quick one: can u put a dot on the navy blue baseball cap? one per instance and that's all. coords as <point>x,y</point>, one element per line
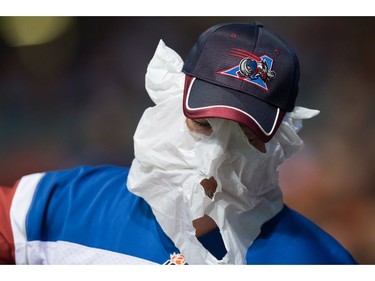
<point>244,73</point>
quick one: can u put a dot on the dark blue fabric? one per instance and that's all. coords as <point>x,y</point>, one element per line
<point>214,243</point>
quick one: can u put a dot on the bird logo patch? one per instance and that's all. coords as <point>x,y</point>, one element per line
<point>252,69</point>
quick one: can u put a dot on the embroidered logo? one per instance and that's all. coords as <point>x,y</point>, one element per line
<point>176,259</point>
<point>252,69</point>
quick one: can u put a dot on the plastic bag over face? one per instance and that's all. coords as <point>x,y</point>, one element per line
<point>171,161</point>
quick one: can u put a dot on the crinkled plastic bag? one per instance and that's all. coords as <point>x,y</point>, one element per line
<point>170,163</point>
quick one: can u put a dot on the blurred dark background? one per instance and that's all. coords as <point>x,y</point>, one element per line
<point>72,92</point>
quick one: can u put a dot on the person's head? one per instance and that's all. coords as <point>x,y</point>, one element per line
<point>244,73</point>
<point>211,112</point>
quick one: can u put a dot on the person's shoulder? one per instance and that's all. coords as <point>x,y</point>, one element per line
<point>88,172</point>
<point>83,178</point>
<point>291,238</point>
<point>91,169</point>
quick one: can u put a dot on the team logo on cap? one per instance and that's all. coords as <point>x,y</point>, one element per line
<point>252,69</point>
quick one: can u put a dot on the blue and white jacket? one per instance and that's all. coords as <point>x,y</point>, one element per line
<point>87,215</point>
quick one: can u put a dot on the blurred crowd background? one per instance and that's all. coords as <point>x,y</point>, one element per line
<point>72,92</point>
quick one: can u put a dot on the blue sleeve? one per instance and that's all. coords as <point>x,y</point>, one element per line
<point>290,238</point>
<point>92,206</point>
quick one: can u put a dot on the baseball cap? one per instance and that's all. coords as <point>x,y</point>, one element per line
<point>244,73</point>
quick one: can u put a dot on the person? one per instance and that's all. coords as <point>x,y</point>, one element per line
<point>203,185</point>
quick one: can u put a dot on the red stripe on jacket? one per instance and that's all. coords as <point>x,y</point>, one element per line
<point>7,255</point>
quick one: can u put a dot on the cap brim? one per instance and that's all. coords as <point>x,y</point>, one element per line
<point>206,100</point>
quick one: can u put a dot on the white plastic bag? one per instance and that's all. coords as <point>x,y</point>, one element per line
<point>170,163</point>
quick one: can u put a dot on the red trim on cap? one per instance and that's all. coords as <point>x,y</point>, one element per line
<point>228,113</point>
